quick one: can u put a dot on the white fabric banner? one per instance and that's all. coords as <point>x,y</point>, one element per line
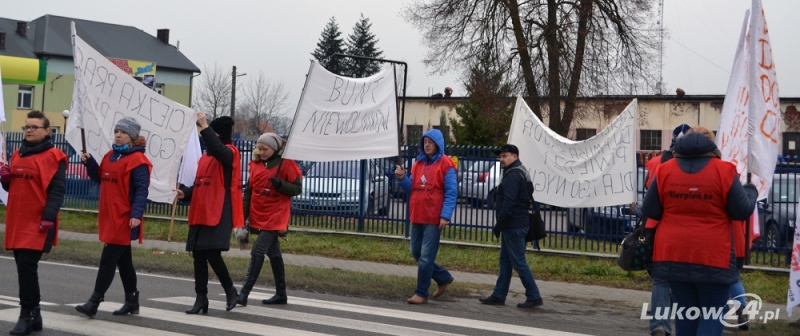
<point>341,118</point>
<point>191,156</point>
<point>3,192</point>
<point>104,94</point>
<point>600,171</point>
<point>793,298</point>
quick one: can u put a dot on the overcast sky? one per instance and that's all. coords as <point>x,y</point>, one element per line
<point>277,37</point>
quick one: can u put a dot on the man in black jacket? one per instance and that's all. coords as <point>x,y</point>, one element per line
<point>513,201</point>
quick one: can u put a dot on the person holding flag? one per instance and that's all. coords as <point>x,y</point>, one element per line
<point>268,204</point>
<point>215,208</point>
<point>124,178</point>
<point>35,192</point>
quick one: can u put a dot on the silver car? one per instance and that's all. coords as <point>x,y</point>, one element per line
<point>479,183</point>
<point>335,187</point>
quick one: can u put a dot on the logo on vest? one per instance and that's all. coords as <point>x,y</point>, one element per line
<point>693,194</point>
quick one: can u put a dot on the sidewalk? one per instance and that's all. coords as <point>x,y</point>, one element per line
<point>551,290</point>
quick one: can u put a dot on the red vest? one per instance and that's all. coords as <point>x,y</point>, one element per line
<point>27,198</point>
<point>652,166</point>
<point>427,199</point>
<point>208,196</point>
<point>269,209</point>
<point>115,204</point>
<point>695,228</point>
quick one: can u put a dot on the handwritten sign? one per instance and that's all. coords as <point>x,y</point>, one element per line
<point>341,118</point>
<point>104,94</point>
<point>600,171</point>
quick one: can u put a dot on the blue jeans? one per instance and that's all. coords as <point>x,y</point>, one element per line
<point>737,289</point>
<point>692,294</point>
<point>660,303</point>
<point>424,247</point>
<point>512,255</point>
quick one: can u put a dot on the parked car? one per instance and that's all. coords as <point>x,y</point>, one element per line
<point>479,183</point>
<point>777,213</point>
<point>334,187</point>
<point>609,221</point>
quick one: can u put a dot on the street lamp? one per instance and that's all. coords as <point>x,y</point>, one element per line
<point>65,114</point>
<point>233,92</point>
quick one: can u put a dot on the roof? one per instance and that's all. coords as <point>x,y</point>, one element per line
<point>49,35</point>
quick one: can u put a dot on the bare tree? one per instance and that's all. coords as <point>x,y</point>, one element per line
<point>265,102</point>
<point>213,92</point>
<point>281,125</point>
<point>556,49</point>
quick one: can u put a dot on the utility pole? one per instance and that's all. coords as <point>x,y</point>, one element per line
<point>233,92</point>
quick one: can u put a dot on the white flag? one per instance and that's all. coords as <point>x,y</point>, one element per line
<point>104,94</point>
<point>3,192</point>
<point>191,155</point>
<point>341,118</point>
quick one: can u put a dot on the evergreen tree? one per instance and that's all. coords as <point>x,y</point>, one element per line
<point>330,43</point>
<point>486,117</point>
<point>362,42</point>
<point>445,128</point>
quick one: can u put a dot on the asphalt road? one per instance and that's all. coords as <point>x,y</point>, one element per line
<point>164,299</point>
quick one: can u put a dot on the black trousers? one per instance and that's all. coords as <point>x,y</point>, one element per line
<point>213,258</point>
<point>266,244</point>
<point>28,276</point>
<point>115,256</point>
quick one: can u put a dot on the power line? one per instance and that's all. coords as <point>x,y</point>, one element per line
<point>701,56</point>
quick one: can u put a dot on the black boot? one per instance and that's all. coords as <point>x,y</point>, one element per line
<point>252,275</point>
<point>230,296</point>
<point>200,303</point>
<point>24,324</point>
<point>280,282</point>
<point>37,318</point>
<point>131,305</point>
<point>90,307</point>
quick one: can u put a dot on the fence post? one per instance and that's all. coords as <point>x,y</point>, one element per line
<point>362,187</point>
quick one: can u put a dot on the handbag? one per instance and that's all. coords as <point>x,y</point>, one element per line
<point>636,252</point>
<point>536,228</point>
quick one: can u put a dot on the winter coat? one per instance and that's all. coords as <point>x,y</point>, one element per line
<point>513,200</point>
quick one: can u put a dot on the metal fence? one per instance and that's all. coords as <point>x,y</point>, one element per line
<point>363,196</point>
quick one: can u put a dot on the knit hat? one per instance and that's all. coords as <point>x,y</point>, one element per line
<point>679,132</point>
<point>223,126</point>
<point>130,126</point>
<point>272,140</point>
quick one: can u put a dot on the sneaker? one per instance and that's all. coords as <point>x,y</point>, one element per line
<point>493,301</point>
<point>416,299</point>
<point>530,304</point>
<point>658,332</point>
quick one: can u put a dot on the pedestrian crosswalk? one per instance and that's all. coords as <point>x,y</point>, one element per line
<point>324,318</point>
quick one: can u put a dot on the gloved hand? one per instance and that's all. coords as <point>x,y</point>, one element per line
<point>276,182</point>
<point>5,174</point>
<point>496,232</point>
<point>45,226</point>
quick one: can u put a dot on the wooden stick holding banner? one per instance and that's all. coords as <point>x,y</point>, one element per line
<point>83,140</point>
<point>747,229</point>
<point>399,126</point>
<point>174,207</point>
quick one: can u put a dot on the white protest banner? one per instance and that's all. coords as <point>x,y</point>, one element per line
<point>341,118</point>
<point>793,297</point>
<point>3,192</point>
<point>104,94</point>
<point>191,156</point>
<point>600,171</point>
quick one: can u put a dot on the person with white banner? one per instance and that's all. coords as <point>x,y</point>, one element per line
<point>694,199</point>
<point>215,209</point>
<point>124,177</point>
<point>35,179</point>
<point>268,205</point>
<point>433,188</point>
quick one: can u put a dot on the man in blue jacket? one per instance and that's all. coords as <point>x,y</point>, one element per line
<point>513,201</point>
<point>432,188</point>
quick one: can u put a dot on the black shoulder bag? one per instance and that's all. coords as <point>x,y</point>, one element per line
<point>536,228</point>
<point>636,252</point>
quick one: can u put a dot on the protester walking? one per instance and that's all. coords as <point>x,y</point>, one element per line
<point>215,208</point>
<point>268,204</point>
<point>693,200</point>
<point>124,178</point>
<point>432,187</point>
<point>514,199</point>
<point>35,194</point>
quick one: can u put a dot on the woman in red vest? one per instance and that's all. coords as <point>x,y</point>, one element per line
<point>36,181</point>
<point>215,208</point>
<point>268,203</point>
<point>124,178</point>
<point>694,198</point>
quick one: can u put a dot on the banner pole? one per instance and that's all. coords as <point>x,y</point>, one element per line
<point>83,140</point>
<point>174,207</point>
<point>747,230</point>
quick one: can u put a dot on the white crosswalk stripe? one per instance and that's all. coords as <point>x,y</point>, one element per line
<point>82,325</point>
<point>331,321</point>
<point>12,301</point>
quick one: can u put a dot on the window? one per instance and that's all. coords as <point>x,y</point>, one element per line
<point>25,97</point>
<point>160,89</point>
<point>651,140</point>
<point>584,133</point>
<point>54,129</point>
<point>413,133</point>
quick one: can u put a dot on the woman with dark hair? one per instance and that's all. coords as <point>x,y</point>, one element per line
<point>694,199</point>
<point>124,177</point>
<point>215,208</point>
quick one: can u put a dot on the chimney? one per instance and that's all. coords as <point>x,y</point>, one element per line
<point>2,41</point>
<point>22,28</point>
<point>163,35</point>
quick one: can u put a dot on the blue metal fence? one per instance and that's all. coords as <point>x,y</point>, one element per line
<point>364,196</point>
